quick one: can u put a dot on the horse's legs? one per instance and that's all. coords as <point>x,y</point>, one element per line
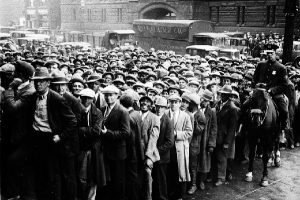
<point>265,159</point>
<point>276,151</point>
<point>252,145</point>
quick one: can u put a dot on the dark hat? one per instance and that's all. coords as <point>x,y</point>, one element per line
<point>93,78</point>
<point>24,68</point>
<point>226,89</point>
<point>147,98</point>
<point>59,79</point>
<point>41,73</point>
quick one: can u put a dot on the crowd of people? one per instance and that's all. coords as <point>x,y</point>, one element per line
<point>129,123</point>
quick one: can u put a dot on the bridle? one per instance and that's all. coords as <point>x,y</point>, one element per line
<point>265,113</point>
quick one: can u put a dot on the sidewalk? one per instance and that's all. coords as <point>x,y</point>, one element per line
<point>284,182</point>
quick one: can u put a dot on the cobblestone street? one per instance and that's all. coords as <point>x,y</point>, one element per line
<point>284,182</point>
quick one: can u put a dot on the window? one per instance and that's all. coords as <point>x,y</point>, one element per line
<point>89,14</point>
<point>218,14</point>
<point>119,10</point>
<point>240,18</point>
<point>74,13</point>
<point>271,15</point>
<point>210,13</point>
<point>103,15</point>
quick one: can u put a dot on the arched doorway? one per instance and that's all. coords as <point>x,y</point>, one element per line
<point>158,11</point>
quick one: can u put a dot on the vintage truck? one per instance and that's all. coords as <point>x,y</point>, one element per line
<point>172,35</point>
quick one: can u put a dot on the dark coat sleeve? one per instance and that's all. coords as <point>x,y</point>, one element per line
<point>169,136</point>
<point>93,131</point>
<point>199,123</point>
<point>232,125</point>
<point>212,135</point>
<point>124,131</point>
<point>280,83</point>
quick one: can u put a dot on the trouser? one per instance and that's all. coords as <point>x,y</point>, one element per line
<point>176,189</point>
<point>40,161</point>
<point>222,155</point>
<point>92,192</point>
<point>160,191</point>
<point>282,103</point>
<point>69,184</point>
<point>193,167</point>
<point>133,185</point>
<point>229,168</point>
<point>147,183</point>
<point>290,132</point>
<point>116,186</point>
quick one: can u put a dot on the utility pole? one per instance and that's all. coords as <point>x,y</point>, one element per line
<point>290,11</point>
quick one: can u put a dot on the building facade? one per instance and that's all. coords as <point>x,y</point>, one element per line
<point>240,15</point>
<point>12,12</point>
<point>42,13</point>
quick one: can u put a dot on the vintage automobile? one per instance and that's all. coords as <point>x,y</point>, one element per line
<point>201,50</point>
<point>214,39</point>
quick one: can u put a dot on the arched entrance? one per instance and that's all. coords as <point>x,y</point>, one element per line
<point>158,11</point>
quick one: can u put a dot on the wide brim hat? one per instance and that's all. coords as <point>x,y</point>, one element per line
<point>93,78</point>
<point>59,80</point>
<point>41,73</point>
<point>161,101</point>
<point>226,89</point>
<point>108,73</point>
<point>207,95</point>
<point>118,80</point>
<point>174,97</point>
<point>146,97</point>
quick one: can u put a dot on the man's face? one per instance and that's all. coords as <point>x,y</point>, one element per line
<point>203,103</point>
<point>86,101</point>
<point>60,88</point>
<point>41,86</point>
<point>151,95</point>
<point>182,84</point>
<point>160,110</point>
<point>77,87</point>
<point>108,78</point>
<point>175,105</point>
<point>184,104</point>
<point>145,105</point>
<point>193,88</point>
<point>271,57</point>
<point>110,98</point>
<point>53,68</point>
<point>94,86</point>
<point>159,88</point>
<point>171,92</point>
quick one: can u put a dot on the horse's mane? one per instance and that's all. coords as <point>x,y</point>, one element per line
<point>259,98</point>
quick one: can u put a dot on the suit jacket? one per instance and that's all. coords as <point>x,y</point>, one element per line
<point>227,117</point>
<point>90,141</point>
<point>133,143</point>
<point>75,104</point>
<point>118,130</point>
<point>273,74</point>
<point>62,121</point>
<point>166,138</point>
<point>150,134</point>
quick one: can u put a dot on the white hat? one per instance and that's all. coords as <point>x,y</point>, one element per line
<point>87,92</point>
<point>110,89</point>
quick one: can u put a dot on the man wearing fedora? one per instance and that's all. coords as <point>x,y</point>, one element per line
<point>59,85</point>
<point>93,83</point>
<point>52,122</point>
<point>208,138</point>
<point>227,116</point>
<point>115,131</point>
<point>164,143</point>
<point>150,133</point>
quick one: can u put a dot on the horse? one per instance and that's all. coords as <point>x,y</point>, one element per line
<point>264,128</point>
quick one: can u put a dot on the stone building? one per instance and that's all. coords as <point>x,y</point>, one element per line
<point>12,12</point>
<point>43,13</point>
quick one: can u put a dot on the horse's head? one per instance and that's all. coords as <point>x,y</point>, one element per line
<point>258,106</point>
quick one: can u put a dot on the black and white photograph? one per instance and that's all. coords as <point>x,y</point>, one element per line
<point>149,99</point>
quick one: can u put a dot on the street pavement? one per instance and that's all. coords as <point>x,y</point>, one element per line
<point>284,182</point>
